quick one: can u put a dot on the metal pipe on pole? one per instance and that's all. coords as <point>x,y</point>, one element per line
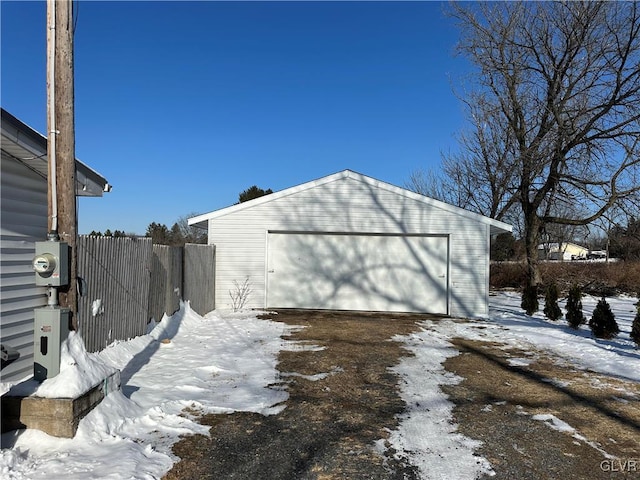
<point>51,120</point>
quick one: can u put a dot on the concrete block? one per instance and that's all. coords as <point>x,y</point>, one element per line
<point>58,417</point>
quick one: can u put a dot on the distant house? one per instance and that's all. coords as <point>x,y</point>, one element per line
<point>565,251</point>
<point>350,242</point>
<point>23,221</point>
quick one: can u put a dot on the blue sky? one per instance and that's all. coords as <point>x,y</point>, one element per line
<point>182,105</point>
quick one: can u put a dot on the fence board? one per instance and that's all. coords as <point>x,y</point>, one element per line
<point>115,305</point>
<point>166,281</point>
<point>199,277</point>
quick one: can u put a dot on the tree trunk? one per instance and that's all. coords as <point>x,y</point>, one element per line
<point>531,240</point>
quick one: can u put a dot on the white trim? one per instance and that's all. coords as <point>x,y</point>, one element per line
<point>496,225</point>
<point>266,267</point>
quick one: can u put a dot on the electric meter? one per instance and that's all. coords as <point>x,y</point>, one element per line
<point>51,264</point>
<point>44,264</point>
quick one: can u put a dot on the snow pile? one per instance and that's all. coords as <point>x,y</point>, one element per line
<point>213,364</point>
<point>80,371</point>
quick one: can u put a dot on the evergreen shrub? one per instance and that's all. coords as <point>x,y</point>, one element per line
<point>530,299</point>
<point>551,309</point>
<point>635,326</point>
<point>574,314</point>
<point>603,323</point>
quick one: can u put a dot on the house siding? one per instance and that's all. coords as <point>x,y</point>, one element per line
<point>348,204</point>
<point>24,221</point>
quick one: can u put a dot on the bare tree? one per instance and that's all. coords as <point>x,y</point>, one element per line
<point>555,112</point>
<point>482,175</point>
<point>191,233</point>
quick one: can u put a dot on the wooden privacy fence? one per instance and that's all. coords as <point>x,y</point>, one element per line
<point>115,304</point>
<point>198,267</point>
<point>166,281</point>
<point>128,281</point>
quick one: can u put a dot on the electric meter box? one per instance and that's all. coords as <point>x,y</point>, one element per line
<point>51,264</point>
<point>51,329</point>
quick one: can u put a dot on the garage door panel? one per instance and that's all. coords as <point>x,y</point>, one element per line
<point>357,272</point>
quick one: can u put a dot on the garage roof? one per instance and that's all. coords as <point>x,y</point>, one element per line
<point>496,226</point>
<point>29,147</point>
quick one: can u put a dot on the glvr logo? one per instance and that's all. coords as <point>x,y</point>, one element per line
<point>619,465</point>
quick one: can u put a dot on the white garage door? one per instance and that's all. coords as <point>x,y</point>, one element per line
<point>370,272</point>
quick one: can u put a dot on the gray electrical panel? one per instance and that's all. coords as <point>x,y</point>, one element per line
<point>51,329</point>
<point>51,264</point>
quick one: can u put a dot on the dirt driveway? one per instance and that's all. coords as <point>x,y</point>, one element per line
<point>342,398</point>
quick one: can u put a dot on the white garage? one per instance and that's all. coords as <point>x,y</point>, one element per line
<point>358,271</point>
<point>350,242</point>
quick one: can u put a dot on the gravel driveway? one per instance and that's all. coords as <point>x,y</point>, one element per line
<point>343,398</point>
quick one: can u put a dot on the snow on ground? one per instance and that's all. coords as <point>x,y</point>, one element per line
<point>427,437</point>
<point>215,364</point>
<point>223,363</point>
<point>508,324</point>
<point>556,424</point>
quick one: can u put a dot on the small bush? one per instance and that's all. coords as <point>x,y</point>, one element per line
<point>551,309</point>
<point>240,294</point>
<point>574,315</point>
<point>635,327</point>
<point>603,323</point>
<point>530,299</point>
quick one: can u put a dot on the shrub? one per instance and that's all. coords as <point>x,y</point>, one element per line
<point>603,323</point>
<point>574,315</point>
<point>635,327</point>
<point>240,294</point>
<point>507,275</point>
<point>599,278</point>
<point>530,299</point>
<point>551,309</point>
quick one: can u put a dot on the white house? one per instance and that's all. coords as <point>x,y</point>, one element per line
<point>23,221</point>
<point>350,242</point>
<point>565,251</point>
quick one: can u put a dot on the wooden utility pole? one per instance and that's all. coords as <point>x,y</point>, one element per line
<point>61,144</point>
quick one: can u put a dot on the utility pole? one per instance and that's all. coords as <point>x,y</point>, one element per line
<point>62,221</point>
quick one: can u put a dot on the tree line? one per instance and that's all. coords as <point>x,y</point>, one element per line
<point>181,232</point>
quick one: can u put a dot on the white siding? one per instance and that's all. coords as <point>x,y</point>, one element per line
<point>348,204</point>
<point>24,220</point>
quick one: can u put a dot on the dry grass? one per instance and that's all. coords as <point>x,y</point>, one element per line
<point>496,401</point>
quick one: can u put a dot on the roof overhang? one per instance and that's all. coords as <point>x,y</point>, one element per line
<point>495,226</point>
<point>29,147</point>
